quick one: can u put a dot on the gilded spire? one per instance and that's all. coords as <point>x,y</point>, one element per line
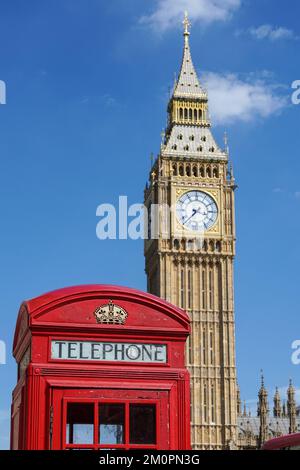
<point>188,127</point>
<point>186,23</point>
<point>188,85</point>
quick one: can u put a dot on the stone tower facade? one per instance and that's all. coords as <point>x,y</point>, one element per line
<point>189,258</point>
<point>263,413</point>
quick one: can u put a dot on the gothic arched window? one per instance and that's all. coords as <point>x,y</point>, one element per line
<point>203,289</point>
<point>205,404</point>
<point>213,404</point>
<point>189,289</point>
<point>182,288</point>
<point>210,289</point>
<point>204,346</point>
<point>211,347</point>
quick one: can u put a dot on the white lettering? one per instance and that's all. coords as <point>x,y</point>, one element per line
<point>106,227</point>
<point>136,229</point>
<point>296,94</point>
<point>2,352</point>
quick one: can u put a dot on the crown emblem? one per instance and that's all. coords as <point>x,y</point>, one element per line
<point>111,314</point>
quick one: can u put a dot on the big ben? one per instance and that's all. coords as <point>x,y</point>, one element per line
<point>192,267</point>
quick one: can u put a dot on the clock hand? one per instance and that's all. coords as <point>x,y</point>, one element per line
<point>194,212</point>
<point>199,211</point>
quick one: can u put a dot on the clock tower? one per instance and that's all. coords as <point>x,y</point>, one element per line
<point>190,263</point>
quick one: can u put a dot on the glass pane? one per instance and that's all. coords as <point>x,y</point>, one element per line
<point>111,423</point>
<point>80,423</point>
<point>142,424</point>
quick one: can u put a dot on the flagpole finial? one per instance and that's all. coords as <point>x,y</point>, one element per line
<point>186,24</point>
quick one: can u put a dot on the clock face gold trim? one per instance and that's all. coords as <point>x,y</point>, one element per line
<point>197,211</point>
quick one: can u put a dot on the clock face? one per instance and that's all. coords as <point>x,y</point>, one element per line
<point>197,211</point>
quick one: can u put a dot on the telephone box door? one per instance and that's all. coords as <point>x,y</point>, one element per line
<point>109,419</point>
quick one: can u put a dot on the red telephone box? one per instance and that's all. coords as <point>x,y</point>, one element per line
<point>100,367</point>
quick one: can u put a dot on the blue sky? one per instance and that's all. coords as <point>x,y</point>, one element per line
<point>87,85</point>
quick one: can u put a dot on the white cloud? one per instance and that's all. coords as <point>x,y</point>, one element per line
<point>234,99</point>
<point>266,31</point>
<point>293,194</point>
<point>169,13</point>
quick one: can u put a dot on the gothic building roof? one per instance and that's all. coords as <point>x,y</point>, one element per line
<point>193,141</point>
<point>276,426</point>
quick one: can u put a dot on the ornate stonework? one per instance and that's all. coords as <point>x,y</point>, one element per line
<point>254,431</point>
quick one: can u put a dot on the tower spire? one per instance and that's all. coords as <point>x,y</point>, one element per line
<point>188,125</point>
<point>277,410</point>
<point>291,406</point>
<point>188,85</point>
<point>262,378</point>
<point>263,411</point>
